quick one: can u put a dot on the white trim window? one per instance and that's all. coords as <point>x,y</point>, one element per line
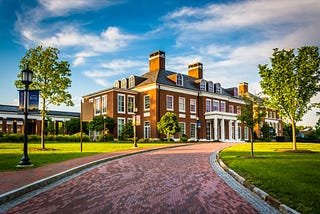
<point>231,109</point>
<point>169,103</point>
<point>238,110</point>
<point>104,104</point>
<point>182,128</point>
<point>146,102</point>
<point>131,105</point>
<point>215,106</point>
<point>203,85</point>
<point>132,81</point>
<point>120,125</point>
<point>223,106</point>
<point>217,88</point>
<point>97,105</point>
<point>208,105</point>
<point>210,86</point>
<point>193,133</point>
<point>124,83</point>
<point>246,133</point>
<point>147,129</point>
<point>179,79</point>
<point>121,103</point>
<point>193,106</point>
<point>182,104</point>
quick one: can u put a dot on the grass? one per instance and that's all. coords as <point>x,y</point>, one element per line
<point>11,153</point>
<point>292,178</point>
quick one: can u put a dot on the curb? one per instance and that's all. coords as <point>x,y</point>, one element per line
<point>260,193</point>
<point>11,195</point>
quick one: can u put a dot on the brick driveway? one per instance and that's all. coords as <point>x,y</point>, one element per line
<point>176,180</point>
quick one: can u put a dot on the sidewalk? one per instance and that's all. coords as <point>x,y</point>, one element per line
<point>16,183</point>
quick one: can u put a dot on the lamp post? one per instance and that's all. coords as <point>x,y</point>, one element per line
<point>198,127</point>
<point>135,110</point>
<point>26,80</point>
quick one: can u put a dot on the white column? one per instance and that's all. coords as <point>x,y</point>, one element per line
<point>222,130</point>
<point>230,130</point>
<point>236,134</point>
<point>215,125</point>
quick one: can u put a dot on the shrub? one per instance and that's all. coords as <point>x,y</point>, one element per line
<point>33,137</point>
<point>184,138</point>
<point>105,138</point>
<point>143,140</point>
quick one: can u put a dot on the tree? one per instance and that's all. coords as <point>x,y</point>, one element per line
<point>73,126</point>
<point>50,76</point>
<point>100,123</point>
<point>168,124</point>
<point>127,131</point>
<point>291,82</point>
<point>251,114</point>
<point>267,132</point>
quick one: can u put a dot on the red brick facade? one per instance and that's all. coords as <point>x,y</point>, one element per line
<point>205,110</point>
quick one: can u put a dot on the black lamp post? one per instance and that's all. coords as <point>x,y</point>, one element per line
<point>26,80</point>
<point>135,110</point>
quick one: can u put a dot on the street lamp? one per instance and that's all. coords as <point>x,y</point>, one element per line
<point>198,127</point>
<point>26,80</point>
<point>135,110</point>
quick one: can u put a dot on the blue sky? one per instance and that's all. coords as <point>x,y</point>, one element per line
<point>105,40</point>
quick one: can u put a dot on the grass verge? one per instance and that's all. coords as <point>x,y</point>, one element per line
<point>292,178</point>
<point>11,153</point>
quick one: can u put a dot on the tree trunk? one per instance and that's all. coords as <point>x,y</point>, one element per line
<point>251,142</point>
<point>168,137</point>
<point>43,115</point>
<point>294,142</point>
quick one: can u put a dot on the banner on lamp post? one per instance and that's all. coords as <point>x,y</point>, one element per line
<point>33,100</point>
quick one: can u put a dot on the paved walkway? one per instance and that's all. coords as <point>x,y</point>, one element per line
<point>176,180</point>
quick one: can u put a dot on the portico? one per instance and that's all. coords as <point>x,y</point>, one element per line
<point>222,126</point>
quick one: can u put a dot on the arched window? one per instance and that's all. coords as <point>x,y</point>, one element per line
<point>116,84</point>
<point>124,83</point>
<point>202,85</point>
<point>179,79</point>
<point>210,86</point>
<point>217,88</point>
<point>132,82</point>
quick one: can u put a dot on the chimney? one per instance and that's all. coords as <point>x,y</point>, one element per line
<point>195,70</point>
<point>243,88</point>
<point>157,61</point>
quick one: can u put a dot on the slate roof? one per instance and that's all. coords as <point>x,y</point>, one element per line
<point>161,77</point>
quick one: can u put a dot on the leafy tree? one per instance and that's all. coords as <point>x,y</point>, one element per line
<point>267,132</point>
<point>168,124</point>
<point>251,114</point>
<point>291,82</point>
<point>127,131</point>
<point>100,122</point>
<point>50,76</point>
<point>73,126</point>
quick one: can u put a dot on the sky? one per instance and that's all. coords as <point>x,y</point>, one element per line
<point>106,40</point>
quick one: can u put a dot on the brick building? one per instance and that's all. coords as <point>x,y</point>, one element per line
<point>205,110</point>
<point>11,120</point>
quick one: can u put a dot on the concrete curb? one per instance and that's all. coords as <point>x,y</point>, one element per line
<point>260,193</point>
<point>11,195</point>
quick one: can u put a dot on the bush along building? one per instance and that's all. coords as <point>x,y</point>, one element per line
<point>206,111</point>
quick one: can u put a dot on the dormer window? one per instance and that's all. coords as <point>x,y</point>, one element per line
<point>235,92</point>
<point>179,79</point>
<point>217,88</point>
<point>116,84</point>
<point>131,81</point>
<point>124,83</point>
<point>202,85</point>
<point>210,86</point>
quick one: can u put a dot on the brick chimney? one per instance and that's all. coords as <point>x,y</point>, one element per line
<point>195,70</point>
<point>157,61</point>
<point>243,88</point>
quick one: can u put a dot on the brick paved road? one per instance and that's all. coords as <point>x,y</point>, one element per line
<point>179,180</point>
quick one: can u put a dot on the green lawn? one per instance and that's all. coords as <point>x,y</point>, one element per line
<point>11,153</point>
<point>292,178</point>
